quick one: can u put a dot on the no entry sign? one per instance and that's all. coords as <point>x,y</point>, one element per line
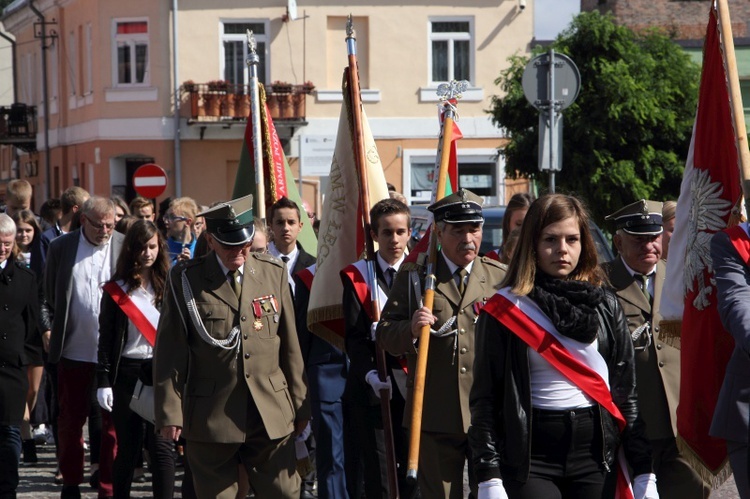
<point>150,181</point>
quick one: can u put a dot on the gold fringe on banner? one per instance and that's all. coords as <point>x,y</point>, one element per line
<point>712,478</point>
<point>316,320</point>
<point>670,332</point>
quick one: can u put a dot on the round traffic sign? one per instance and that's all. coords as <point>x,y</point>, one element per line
<point>535,81</point>
<point>150,180</point>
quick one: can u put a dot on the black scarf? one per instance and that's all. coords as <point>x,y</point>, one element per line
<point>570,305</point>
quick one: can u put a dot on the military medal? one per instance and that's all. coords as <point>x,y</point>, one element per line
<point>258,324</point>
<point>264,306</point>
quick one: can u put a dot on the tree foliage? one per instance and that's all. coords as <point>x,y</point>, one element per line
<point>627,135</point>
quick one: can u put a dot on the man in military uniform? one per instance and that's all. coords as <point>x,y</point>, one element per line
<point>228,373</point>
<point>463,284</point>
<point>637,275</point>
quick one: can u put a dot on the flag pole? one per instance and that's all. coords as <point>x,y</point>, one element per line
<point>355,100</point>
<point>447,93</point>
<point>735,96</point>
<point>253,60</point>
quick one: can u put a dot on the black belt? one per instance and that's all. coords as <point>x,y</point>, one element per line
<point>564,413</point>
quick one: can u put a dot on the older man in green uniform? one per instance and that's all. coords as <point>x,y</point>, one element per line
<point>228,372</point>
<point>637,275</point>
<point>464,282</point>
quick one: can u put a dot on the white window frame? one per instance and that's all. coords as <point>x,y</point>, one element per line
<point>72,63</point>
<point>89,88</point>
<point>242,37</point>
<point>478,155</point>
<point>131,39</point>
<point>451,37</point>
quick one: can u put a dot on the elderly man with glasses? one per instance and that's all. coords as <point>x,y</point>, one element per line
<point>77,263</point>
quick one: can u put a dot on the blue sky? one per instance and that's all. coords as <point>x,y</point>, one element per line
<point>552,16</point>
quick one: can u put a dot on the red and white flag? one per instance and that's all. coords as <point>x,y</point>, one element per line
<point>710,188</point>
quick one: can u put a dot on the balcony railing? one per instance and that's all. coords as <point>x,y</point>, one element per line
<point>18,126</point>
<point>224,102</point>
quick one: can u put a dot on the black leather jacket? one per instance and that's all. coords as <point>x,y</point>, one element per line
<point>500,398</point>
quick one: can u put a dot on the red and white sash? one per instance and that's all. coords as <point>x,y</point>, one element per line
<point>144,315</point>
<point>357,274</point>
<point>580,363</point>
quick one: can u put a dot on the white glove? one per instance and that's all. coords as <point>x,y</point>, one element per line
<point>374,381</point>
<point>644,486</point>
<point>105,398</point>
<point>373,327</point>
<point>492,489</point>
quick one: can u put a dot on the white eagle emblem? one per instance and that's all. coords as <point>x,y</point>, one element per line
<point>706,217</point>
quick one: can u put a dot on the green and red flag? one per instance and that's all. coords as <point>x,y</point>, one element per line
<point>278,178</point>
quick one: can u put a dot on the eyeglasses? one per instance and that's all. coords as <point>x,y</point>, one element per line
<point>99,226</point>
<point>174,218</point>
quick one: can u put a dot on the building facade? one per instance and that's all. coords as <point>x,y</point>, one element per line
<point>108,102</point>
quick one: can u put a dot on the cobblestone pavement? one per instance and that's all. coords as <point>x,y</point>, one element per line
<point>37,481</point>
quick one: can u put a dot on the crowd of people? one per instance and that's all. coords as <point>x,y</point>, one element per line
<point>546,375</point>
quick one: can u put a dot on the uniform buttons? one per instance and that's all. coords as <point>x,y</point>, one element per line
<point>462,331</point>
<point>244,336</point>
<point>461,311</point>
<point>661,364</point>
<point>656,329</point>
<point>463,350</point>
<point>247,375</point>
<point>463,370</point>
<point>243,318</point>
<point>247,355</point>
<point>658,346</point>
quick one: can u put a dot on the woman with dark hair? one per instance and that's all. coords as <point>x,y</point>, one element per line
<point>127,332</point>
<point>29,253</point>
<point>515,212</point>
<point>554,392</point>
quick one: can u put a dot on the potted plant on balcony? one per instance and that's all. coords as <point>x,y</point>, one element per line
<point>191,88</point>
<point>281,87</point>
<point>213,98</point>
<point>308,87</point>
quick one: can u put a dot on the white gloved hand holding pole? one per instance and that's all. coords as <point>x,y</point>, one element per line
<point>373,380</point>
<point>373,327</point>
<point>492,489</point>
<point>105,398</point>
<point>644,486</point>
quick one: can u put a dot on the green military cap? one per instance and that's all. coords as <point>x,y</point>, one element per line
<point>463,206</point>
<point>231,222</point>
<point>640,218</point>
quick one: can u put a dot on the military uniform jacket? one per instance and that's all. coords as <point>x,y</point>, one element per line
<point>449,370</point>
<point>658,366</point>
<point>205,389</point>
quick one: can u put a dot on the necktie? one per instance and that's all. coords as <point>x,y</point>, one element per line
<point>232,275</point>
<point>462,274</point>
<point>285,258</point>
<point>644,285</point>
<point>390,276</point>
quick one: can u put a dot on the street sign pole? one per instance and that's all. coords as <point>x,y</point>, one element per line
<point>552,116</point>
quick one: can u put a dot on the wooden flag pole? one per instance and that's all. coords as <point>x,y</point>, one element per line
<point>352,78</point>
<point>735,96</point>
<point>447,93</point>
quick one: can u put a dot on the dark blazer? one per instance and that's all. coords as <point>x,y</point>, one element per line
<point>733,283</point>
<point>58,284</point>
<point>19,310</point>
<point>304,260</point>
<point>361,349</point>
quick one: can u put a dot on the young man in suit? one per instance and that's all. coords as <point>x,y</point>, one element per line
<point>464,282</point>
<point>637,275</point>
<point>286,224</point>
<point>86,258</point>
<point>391,221</point>
<point>228,373</point>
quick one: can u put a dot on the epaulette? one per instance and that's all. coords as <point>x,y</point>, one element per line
<point>493,263</point>
<point>267,257</point>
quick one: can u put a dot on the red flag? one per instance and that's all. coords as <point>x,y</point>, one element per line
<point>710,187</point>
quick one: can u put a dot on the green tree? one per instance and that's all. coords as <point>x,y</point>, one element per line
<point>627,135</point>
